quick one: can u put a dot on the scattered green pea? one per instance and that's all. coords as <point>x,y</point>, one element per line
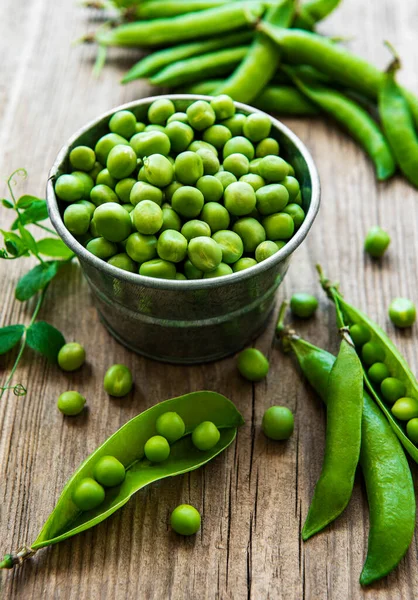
<point>252,364</point>
<point>278,423</point>
<point>303,305</point>
<point>402,312</point>
<point>71,356</point>
<point>71,403</point>
<point>185,520</point>
<point>118,381</point>
<point>376,242</point>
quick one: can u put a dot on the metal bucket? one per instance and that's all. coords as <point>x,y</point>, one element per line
<point>186,321</point>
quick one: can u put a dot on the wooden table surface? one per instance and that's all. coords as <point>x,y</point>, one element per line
<point>255,496</point>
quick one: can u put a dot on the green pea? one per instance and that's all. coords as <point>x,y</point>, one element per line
<point>244,263</point>
<point>412,430</point>
<point>185,520</point>
<point>102,248</point>
<point>71,356</point>
<point>265,250</point>
<point>170,189</point>
<point>405,409</point>
<point>392,389</point>
<point>254,166</point>
<point>255,181</point>
<point>273,168</point>
<point>257,127</point>
<point>293,188</point>
<point>188,201</point>
<point>147,217</point>
<point>271,198</point>
<point>376,242</point>
<point>69,188</point>
<point>226,178</point>
<point>268,146</point>
<point>141,247</point>
<point>217,135</point>
<point>181,135</point>
<point>221,270</point>
<point>188,167</point>
<point>372,352</point>
<point>296,212</point>
<point>191,271</point>
<point>157,449</point>
<point>279,226</point>
<point>88,494</point>
<point>402,312</point>
<point>210,161</point>
<point>158,268</point>
<point>239,199</point>
<point>178,116</point>
<point>252,364</point>
<point>303,305</point>
<point>171,219</point>
<point>251,232</point>
<point>86,180</point>
<point>215,216</point>
<point>278,423</point>
<point>211,188</point>
<point>378,372</point>
<point>160,110</point>
<point>87,204</point>
<point>298,199</point>
<point>198,145</point>
<point>141,175</point>
<point>155,127</point>
<point>139,127</point>
<point>230,244</point>
<point>239,145</point>
<point>102,194</point>
<point>360,334</point>
<point>171,426</point>
<point>105,178</point>
<point>124,262</point>
<point>201,115</point>
<point>71,403</point>
<point>112,222</point>
<point>195,228</point>
<point>105,145</point>
<point>124,188</point>
<point>238,164</point>
<point>280,244</point>
<point>118,381</point>
<point>235,123</point>
<point>123,123</point>
<point>97,167</point>
<point>223,106</point>
<point>150,142</point>
<point>145,191</point>
<point>204,253</point>
<point>181,277</point>
<point>82,158</point>
<point>205,436</point>
<point>158,170</point>
<point>77,219</point>
<point>172,246</point>
<point>109,471</point>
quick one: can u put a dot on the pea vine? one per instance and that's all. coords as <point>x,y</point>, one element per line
<point>19,243</point>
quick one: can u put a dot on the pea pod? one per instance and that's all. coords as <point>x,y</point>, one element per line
<point>344,409</point>
<point>161,9</point>
<point>314,11</point>
<point>158,60</point>
<point>127,445</point>
<point>389,484</point>
<point>355,119</point>
<point>261,60</point>
<point>396,363</point>
<point>176,30</point>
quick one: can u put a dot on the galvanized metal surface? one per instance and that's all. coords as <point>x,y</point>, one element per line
<point>187,321</point>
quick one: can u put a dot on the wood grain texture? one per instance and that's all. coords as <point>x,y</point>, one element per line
<point>254,498</point>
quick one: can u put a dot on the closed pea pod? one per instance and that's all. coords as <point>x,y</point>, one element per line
<point>389,485</point>
<point>313,11</point>
<point>127,446</point>
<point>157,9</point>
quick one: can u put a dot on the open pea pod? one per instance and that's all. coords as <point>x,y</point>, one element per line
<point>348,315</point>
<point>127,445</point>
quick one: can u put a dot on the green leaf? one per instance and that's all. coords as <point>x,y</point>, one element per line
<point>37,211</point>
<point>26,201</point>
<point>28,239</point>
<point>7,203</point>
<point>36,279</point>
<point>46,339</point>
<point>10,336</point>
<point>14,244</point>
<point>54,247</point>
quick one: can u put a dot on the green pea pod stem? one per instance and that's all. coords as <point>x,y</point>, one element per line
<point>161,9</point>
<point>396,363</point>
<point>261,60</point>
<point>281,100</point>
<point>127,445</point>
<point>398,124</point>
<point>342,450</point>
<point>354,119</point>
<point>176,30</point>
<point>158,60</point>
<point>199,67</point>
<point>389,484</point>
<point>304,47</point>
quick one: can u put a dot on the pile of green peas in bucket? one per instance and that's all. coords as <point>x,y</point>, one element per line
<point>188,195</point>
